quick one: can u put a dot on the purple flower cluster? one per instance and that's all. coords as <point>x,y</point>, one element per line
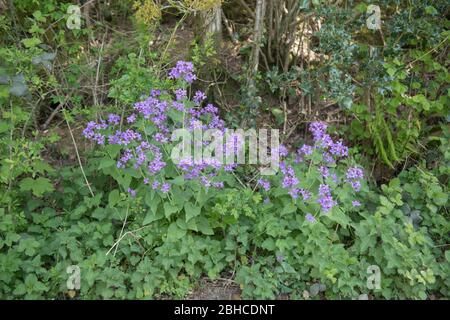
<point>124,138</point>
<point>183,70</point>
<point>325,199</point>
<point>323,140</point>
<point>205,171</point>
<point>290,182</point>
<point>199,97</point>
<point>264,184</point>
<point>354,176</point>
<point>90,132</point>
<point>147,157</point>
<point>289,178</point>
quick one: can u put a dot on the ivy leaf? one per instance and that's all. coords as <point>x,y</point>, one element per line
<point>38,186</point>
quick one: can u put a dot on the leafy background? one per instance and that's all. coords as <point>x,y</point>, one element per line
<point>62,201</point>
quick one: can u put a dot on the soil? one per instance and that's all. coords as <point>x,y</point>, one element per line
<point>216,290</point>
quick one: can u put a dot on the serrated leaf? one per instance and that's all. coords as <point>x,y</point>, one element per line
<point>203,226</point>
<point>38,186</point>
<point>174,232</point>
<point>191,211</point>
<point>169,209</point>
<point>114,197</point>
<point>31,42</point>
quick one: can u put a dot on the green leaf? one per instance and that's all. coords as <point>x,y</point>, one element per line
<point>106,163</point>
<point>31,42</point>
<point>203,226</point>
<point>169,209</point>
<point>152,215</point>
<point>289,208</point>
<point>38,186</point>
<point>114,197</point>
<point>447,255</point>
<point>191,211</point>
<point>175,233</point>
<point>440,198</point>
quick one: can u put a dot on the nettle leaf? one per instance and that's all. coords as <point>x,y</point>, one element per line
<point>440,198</point>
<point>339,217</point>
<point>169,209</point>
<point>38,186</point>
<point>174,232</point>
<point>203,226</point>
<point>153,214</point>
<point>447,255</point>
<point>114,197</point>
<point>289,208</point>
<point>106,163</point>
<point>191,211</point>
<point>28,246</point>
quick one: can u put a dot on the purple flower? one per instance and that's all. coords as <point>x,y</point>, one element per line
<point>113,119</point>
<point>180,94</point>
<point>309,217</point>
<point>199,97</point>
<point>305,150</point>
<point>280,258</point>
<point>356,203</point>
<point>165,187</point>
<point>265,184</point>
<point>218,184</point>
<point>184,70</point>
<point>131,118</point>
<point>294,193</point>
<point>155,92</point>
<point>324,171</point>
<point>354,176</point>
<point>305,194</point>
<point>318,129</point>
<point>289,181</point>
<point>283,151</point>
<point>356,185</point>
<point>328,158</point>
<point>155,185</point>
<point>127,156</point>
<point>90,132</point>
<point>146,181</point>
<point>354,173</point>
<point>324,189</point>
<point>178,105</point>
<point>124,138</point>
<point>338,149</point>
<point>325,199</point>
<point>132,192</point>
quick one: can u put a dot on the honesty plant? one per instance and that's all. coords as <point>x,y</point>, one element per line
<point>144,137</point>
<point>318,177</point>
